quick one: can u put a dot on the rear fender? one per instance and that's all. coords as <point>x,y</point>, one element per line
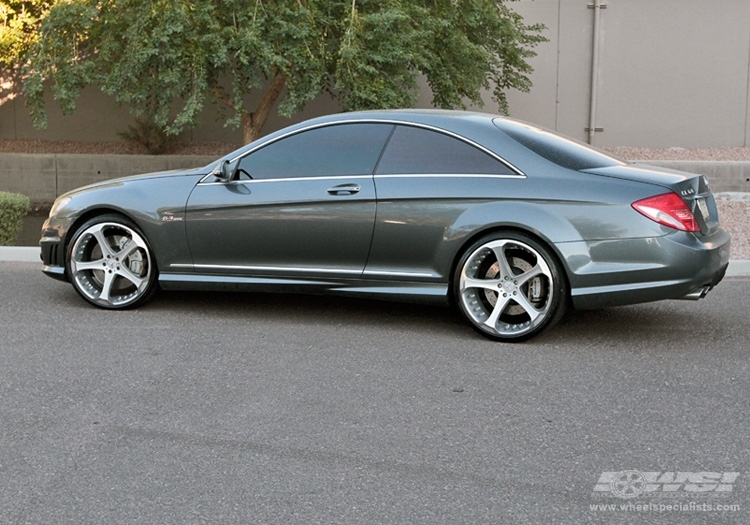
<point>561,225</point>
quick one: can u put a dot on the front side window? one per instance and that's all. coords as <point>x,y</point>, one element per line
<point>335,150</point>
<point>414,150</point>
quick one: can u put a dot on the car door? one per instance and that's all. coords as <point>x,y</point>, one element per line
<point>425,180</point>
<point>302,205</point>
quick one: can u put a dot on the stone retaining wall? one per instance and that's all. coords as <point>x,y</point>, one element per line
<point>42,177</point>
<point>724,176</point>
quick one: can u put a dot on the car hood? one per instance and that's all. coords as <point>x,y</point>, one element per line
<point>155,175</point>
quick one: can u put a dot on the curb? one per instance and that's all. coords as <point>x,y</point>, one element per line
<point>738,269</point>
<point>20,254</point>
<point>32,254</point>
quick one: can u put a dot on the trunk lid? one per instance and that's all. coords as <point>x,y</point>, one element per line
<point>691,187</point>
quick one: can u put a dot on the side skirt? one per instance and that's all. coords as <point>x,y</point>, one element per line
<point>413,292</point>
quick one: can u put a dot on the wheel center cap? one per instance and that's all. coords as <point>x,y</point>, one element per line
<point>112,264</point>
<point>508,287</point>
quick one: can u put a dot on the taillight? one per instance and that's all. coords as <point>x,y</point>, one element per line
<point>670,210</point>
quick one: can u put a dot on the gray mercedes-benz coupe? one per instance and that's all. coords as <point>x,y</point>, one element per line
<point>509,222</point>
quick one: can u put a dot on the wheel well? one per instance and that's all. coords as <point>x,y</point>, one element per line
<point>90,214</point>
<point>471,240</point>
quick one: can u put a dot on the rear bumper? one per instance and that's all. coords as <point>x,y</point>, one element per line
<point>675,266</point>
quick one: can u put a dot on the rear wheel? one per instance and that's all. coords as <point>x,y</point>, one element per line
<point>110,264</point>
<point>509,287</point>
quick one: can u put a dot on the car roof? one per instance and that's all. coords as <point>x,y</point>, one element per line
<point>417,116</point>
<point>456,121</point>
<point>472,125</point>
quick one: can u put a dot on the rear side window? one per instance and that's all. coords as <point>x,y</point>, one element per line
<point>413,150</point>
<point>336,150</point>
<point>563,151</point>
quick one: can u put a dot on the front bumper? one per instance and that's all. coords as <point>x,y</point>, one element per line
<point>53,255</point>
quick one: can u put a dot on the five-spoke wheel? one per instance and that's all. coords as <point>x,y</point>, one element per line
<point>110,263</point>
<point>509,287</point>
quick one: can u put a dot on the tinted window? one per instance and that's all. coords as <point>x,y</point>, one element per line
<point>562,151</point>
<point>342,149</point>
<point>418,150</point>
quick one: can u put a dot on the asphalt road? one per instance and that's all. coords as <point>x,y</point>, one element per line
<point>221,408</point>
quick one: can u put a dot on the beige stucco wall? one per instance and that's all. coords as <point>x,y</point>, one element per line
<point>671,73</point>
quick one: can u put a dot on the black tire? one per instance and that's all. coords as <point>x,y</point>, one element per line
<point>110,263</point>
<point>513,300</point>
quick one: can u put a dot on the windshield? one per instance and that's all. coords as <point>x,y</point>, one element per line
<point>563,151</point>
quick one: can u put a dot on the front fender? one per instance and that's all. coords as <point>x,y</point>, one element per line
<point>155,205</point>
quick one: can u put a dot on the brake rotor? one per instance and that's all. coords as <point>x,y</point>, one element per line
<point>532,290</point>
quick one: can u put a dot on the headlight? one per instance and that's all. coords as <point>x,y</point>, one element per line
<point>58,205</point>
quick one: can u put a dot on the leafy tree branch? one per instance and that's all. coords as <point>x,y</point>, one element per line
<point>165,59</point>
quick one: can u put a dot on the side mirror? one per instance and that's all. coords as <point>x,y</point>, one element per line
<point>226,171</point>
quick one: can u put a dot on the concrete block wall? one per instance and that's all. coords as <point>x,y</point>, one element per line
<point>722,176</point>
<point>32,175</point>
<point>43,177</point>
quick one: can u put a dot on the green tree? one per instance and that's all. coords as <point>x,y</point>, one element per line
<point>19,21</point>
<point>166,58</point>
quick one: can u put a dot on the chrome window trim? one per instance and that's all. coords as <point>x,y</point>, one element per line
<point>519,173</point>
<point>450,175</point>
<point>289,179</point>
<point>370,177</point>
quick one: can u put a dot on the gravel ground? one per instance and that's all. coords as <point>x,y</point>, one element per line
<point>722,154</point>
<point>734,215</point>
<point>734,209</point>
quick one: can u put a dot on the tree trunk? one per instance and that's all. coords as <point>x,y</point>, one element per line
<point>252,123</point>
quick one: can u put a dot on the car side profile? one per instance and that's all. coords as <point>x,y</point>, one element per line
<point>511,223</point>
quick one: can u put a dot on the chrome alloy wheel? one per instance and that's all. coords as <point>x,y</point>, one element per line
<point>509,289</point>
<point>110,264</point>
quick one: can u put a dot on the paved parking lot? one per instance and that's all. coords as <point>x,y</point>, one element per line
<point>221,408</point>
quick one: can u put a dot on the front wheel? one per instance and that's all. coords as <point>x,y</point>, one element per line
<point>110,263</point>
<point>509,287</point>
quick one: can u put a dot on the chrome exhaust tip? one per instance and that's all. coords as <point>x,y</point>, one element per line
<point>700,293</point>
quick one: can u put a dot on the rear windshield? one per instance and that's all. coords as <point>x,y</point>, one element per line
<point>563,151</point>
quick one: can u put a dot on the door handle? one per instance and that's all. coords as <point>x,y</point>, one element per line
<point>345,189</point>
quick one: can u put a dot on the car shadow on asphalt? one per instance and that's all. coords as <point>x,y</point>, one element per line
<point>644,322</point>
<point>317,309</point>
<point>647,323</point>
<point>651,325</point>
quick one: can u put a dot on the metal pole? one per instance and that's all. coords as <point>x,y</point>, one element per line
<point>594,70</point>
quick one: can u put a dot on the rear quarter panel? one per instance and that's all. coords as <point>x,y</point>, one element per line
<point>424,223</point>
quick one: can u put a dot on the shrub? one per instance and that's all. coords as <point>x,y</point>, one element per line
<point>149,135</point>
<point>13,208</point>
